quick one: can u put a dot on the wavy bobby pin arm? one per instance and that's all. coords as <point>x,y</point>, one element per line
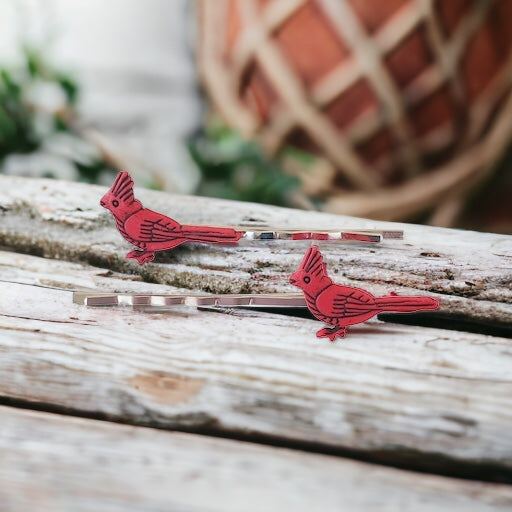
<point>269,300</point>
<point>366,236</point>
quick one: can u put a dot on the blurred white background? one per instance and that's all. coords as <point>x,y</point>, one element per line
<point>134,61</point>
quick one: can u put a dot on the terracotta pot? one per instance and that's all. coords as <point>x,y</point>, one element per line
<point>408,100</point>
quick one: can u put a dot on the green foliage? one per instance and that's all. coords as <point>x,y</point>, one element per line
<point>235,168</point>
<point>17,134</point>
<point>25,126</point>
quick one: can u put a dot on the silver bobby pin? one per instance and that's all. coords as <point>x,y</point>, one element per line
<point>367,236</point>
<point>269,300</point>
<point>149,231</point>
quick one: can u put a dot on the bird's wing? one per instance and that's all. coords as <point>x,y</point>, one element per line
<point>344,301</point>
<point>152,226</point>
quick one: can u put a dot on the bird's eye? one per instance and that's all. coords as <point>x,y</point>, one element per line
<point>115,203</point>
<point>307,279</point>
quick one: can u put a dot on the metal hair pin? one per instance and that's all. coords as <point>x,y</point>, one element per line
<point>335,304</point>
<point>151,231</point>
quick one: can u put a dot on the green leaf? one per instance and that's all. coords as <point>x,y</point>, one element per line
<point>235,168</point>
<point>69,86</point>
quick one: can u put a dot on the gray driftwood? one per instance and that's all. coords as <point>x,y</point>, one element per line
<point>422,398</point>
<point>471,272</point>
<point>55,463</point>
<point>425,397</point>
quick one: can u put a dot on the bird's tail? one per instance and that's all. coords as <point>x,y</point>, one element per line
<point>406,304</point>
<point>212,235</point>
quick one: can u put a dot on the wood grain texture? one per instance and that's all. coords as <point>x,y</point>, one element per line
<point>471,272</point>
<point>423,397</point>
<point>56,463</point>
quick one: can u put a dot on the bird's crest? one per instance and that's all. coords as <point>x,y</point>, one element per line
<point>123,187</point>
<point>313,262</point>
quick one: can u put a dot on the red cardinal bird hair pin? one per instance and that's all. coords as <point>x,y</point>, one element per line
<point>151,231</point>
<point>334,304</point>
<point>341,306</point>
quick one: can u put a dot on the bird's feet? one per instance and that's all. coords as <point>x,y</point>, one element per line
<point>332,332</point>
<point>141,256</point>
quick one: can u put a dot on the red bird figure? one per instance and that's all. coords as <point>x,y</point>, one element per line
<point>341,306</point>
<point>150,231</point>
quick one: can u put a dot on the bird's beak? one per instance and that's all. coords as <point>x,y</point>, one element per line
<point>293,279</point>
<point>102,203</point>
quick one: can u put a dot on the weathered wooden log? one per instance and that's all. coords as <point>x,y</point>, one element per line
<point>472,272</point>
<point>423,398</point>
<point>56,463</point>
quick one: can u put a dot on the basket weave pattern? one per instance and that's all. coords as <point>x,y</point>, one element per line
<point>408,99</point>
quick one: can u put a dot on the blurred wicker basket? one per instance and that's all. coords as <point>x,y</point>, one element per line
<point>409,100</point>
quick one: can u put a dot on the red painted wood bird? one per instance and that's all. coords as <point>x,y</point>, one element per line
<point>341,306</point>
<point>150,231</point>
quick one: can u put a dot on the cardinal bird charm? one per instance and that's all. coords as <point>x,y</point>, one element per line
<point>341,306</point>
<point>150,231</point>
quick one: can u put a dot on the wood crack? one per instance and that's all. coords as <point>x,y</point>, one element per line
<point>394,456</point>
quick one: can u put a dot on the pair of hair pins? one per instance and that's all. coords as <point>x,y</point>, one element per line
<point>337,305</point>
